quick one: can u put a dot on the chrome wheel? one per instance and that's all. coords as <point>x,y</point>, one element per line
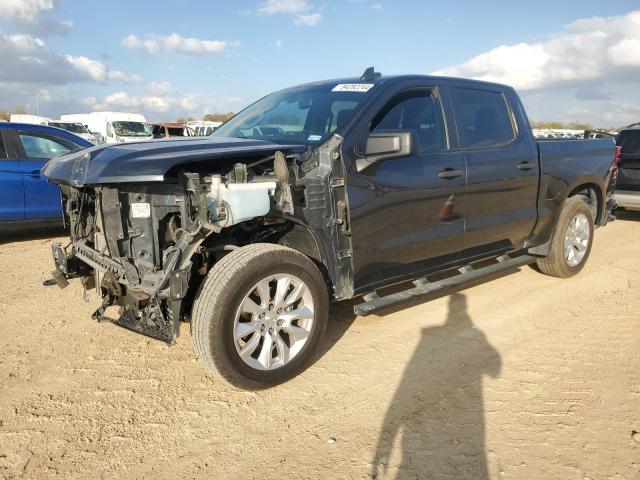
<point>576,240</point>
<point>273,322</point>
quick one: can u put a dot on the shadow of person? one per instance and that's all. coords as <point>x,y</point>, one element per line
<point>438,406</point>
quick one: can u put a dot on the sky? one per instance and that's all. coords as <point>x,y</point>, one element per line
<point>570,60</point>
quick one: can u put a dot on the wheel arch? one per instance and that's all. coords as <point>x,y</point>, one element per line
<point>302,239</point>
<point>593,196</point>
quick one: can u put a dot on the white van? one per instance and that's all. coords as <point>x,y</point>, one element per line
<point>30,119</point>
<point>113,127</point>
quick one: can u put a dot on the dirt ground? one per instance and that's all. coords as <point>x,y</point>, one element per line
<point>523,377</point>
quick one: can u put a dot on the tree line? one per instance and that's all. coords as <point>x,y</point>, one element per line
<point>209,117</point>
<point>5,114</point>
<point>561,126</point>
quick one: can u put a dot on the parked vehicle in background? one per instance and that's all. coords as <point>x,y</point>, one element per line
<point>77,128</point>
<point>113,127</point>
<point>562,133</point>
<point>321,192</point>
<point>599,134</point>
<point>165,130</point>
<point>32,119</point>
<point>202,128</point>
<point>26,198</point>
<point>628,186</point>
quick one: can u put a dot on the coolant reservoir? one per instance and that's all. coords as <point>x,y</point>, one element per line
<point>238,202</point>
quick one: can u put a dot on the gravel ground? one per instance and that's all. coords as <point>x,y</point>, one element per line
<point>523,377</point>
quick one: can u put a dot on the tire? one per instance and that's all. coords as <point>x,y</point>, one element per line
<point>225,307</point>
<point>557,263</point>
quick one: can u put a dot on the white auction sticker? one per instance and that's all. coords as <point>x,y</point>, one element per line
<point>140,210</point>
<point>353,87</point>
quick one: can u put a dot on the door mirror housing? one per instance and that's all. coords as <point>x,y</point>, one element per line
<point>386,145</point>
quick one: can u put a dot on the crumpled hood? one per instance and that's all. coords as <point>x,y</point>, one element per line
<point>148,161</point>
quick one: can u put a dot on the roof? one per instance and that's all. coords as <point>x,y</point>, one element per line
<point>397,78</point>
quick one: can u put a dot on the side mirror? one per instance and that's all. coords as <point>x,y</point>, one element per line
<point>385,145</point>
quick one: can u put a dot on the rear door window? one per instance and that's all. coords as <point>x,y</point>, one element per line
<point>483,118</point>
<point>43,146</point>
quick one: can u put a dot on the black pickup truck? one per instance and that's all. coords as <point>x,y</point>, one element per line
<point>326,191</point>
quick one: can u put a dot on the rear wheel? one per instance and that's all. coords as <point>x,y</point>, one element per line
<point>572,241</point>
<point>260,315</point>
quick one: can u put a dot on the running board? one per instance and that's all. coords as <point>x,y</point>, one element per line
<point>424,289</point>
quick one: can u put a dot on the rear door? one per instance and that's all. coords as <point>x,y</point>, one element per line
<point>41,199</point>
<point>11,183</point>
<point>629,168</point>
<point>404,211</point>
<point>502,170</point>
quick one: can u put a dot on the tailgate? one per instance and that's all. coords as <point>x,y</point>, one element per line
<point>629,172</point>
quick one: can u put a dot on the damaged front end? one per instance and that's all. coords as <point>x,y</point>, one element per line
<point>147,246</point>
<point>135,244</point>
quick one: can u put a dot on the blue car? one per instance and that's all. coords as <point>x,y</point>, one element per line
<point>26,198</point>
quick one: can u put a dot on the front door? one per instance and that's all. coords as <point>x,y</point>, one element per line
<point>12,188</point>
<point>404,211</point>
<point>42,199</point>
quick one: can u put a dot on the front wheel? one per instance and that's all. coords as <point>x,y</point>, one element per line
<point>260,315</point>
<point>572,240</point>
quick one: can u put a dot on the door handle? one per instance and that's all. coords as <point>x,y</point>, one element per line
<point>526,166</point>
<point>35,173</point>
<point>450,173</point>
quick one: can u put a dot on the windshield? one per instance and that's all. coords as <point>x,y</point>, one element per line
<point>70,127</point>
<point>304,115</point>
<point>132,129</point>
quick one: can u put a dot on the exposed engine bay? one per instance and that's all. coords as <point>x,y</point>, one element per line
<point>147,246</point>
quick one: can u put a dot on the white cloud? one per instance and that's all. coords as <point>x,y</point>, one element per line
<point>377,6</point>
<point>587,50</point>
<point>24,11</point>
<point>28,59</point>
<point>160,88</point>
<point>271,7</point>
<point>175,44</point>
<point>300,11</point>
<point>308,20</point>
<point>160,100</point>
<point>124,77</point>
<point>123,101</point>
<point>279,43</point>
<point>33,16</point>
<point>87,67</point>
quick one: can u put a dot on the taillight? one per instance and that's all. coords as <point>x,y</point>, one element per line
<point>617,156</point>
